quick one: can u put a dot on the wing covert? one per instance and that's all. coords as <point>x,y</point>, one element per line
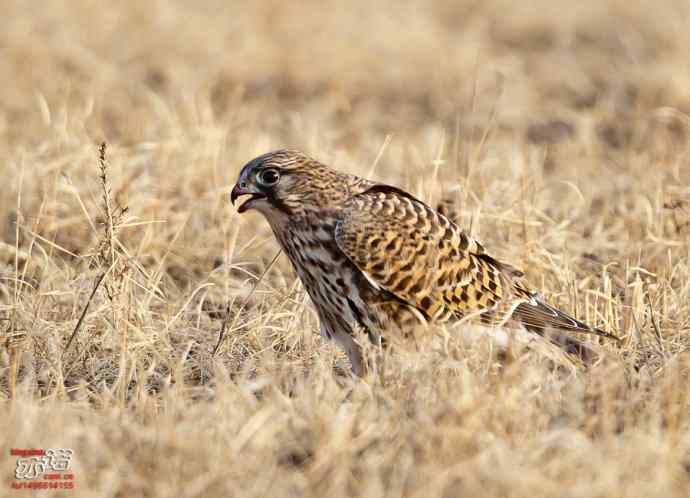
<point>418,255</point>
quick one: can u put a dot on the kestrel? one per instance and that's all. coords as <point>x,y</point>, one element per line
<point>377,261</point>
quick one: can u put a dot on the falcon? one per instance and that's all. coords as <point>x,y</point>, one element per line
<point>377,262</point>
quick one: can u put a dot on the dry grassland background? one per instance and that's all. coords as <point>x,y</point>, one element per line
<point>560,130</point>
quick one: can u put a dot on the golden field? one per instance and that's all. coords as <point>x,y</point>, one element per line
<point>559,130</point>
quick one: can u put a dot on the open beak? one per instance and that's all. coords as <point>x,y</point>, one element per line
<point>238,191</point>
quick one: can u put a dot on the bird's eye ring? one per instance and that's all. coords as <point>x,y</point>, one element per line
<point>269,177</point>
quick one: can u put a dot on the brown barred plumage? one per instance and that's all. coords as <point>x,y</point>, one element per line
<point>376,259</point>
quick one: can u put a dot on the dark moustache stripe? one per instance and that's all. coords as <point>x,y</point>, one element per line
<point>278,204</point>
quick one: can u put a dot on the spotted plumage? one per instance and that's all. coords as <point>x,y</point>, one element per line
<point>376,260</point>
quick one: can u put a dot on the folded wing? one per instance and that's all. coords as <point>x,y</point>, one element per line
<point>425,260</point>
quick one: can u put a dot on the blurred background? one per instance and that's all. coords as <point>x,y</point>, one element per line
<point>558,131</point>
<point>135,72</point>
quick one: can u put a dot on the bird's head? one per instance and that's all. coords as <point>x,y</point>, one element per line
<point>286,182</point>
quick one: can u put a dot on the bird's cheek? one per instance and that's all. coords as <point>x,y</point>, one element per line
<point>262,205</point>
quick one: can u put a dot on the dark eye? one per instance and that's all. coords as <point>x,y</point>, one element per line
<point>269,177</point>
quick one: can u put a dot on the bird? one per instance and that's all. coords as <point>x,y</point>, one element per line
<point>378,263</point>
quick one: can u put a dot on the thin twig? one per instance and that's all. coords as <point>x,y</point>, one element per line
<point>655,326</point>
<point>86,308</point>
<point>109,230</point>
<point>226,320</point>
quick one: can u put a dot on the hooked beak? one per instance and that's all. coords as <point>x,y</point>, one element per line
<point>238,191</point>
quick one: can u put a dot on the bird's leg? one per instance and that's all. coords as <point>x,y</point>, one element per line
<point>351,348</point>
<point>354,354</point>
<point>372,352</point>
<point>365,357</point>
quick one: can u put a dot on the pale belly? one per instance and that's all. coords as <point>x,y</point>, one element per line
<point>349,306</point>
<point>329,277</point>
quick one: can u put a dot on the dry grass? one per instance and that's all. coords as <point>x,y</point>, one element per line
<point>561,131</point>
